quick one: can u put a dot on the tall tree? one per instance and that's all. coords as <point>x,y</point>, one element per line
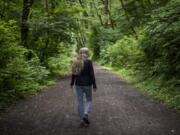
<point>85,13</point>
<point>149,2</point>
<point>128,17</point>
<point>98,14</point>
<point>44,52</point>
<point>106,6</point>
<point>27,4</point>
<point>107,12</point>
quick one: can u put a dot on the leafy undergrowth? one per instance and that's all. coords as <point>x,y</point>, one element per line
<point>11,97</point>
<point>161,91</point>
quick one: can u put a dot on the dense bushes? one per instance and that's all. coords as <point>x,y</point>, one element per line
<point>100,38</point>
<point>123,53</point>
<point>59,64</point>
<point>161,42</point>
<point>18,77</point>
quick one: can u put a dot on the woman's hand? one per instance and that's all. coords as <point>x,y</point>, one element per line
<point>94,89</point>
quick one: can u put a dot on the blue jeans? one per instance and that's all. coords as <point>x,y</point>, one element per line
<point>80,91</point>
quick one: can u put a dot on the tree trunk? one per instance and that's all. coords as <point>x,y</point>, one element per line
<point>27,4</point>
<point>100,18</point>
<point>111,20</point>
<point>110,16</point>
<point>107,11</point>
<point>106,6</point>
<point>149,2</point>
<point>46,7</point>
<point>45,49</point>
<point>128,18</point>
<point>141,2</point>
<point>84,12</point>
<point>91,9</point>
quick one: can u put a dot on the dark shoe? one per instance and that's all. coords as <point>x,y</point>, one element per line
<point>83,124</point>
<point>85,118</point>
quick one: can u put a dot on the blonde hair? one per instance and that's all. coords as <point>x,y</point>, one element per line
<point>77,63</point>
<point>84,50</point>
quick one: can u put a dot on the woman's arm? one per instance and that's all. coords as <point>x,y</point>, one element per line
<point>92,75</point>
<point>72,80</point>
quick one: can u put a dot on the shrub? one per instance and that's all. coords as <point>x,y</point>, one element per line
<point>123,53</point>
<point>59,65</point>
<point>18,77</point>
<point>161,42</point>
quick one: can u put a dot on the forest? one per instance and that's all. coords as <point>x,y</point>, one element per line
<point>138,39</point>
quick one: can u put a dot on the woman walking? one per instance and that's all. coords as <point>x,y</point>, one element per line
<point>84,79</point>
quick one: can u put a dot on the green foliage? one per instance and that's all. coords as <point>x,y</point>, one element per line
<point>59,65</point>
<point>8,42</point>
<point>50,39</point>
<point>160,44</point>
<point>94,43</point>
<point>100,38</point>
<point>123,53</point>
<point>18,77</point>
<point>48,32</point>
<point>151,62</point>
<point>9,9</point>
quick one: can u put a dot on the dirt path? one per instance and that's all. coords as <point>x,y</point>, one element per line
<point>118,109</point>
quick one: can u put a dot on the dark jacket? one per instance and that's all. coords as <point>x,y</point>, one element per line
<point>86,77</point>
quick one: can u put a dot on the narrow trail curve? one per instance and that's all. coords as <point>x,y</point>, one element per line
<point>118,109</point>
